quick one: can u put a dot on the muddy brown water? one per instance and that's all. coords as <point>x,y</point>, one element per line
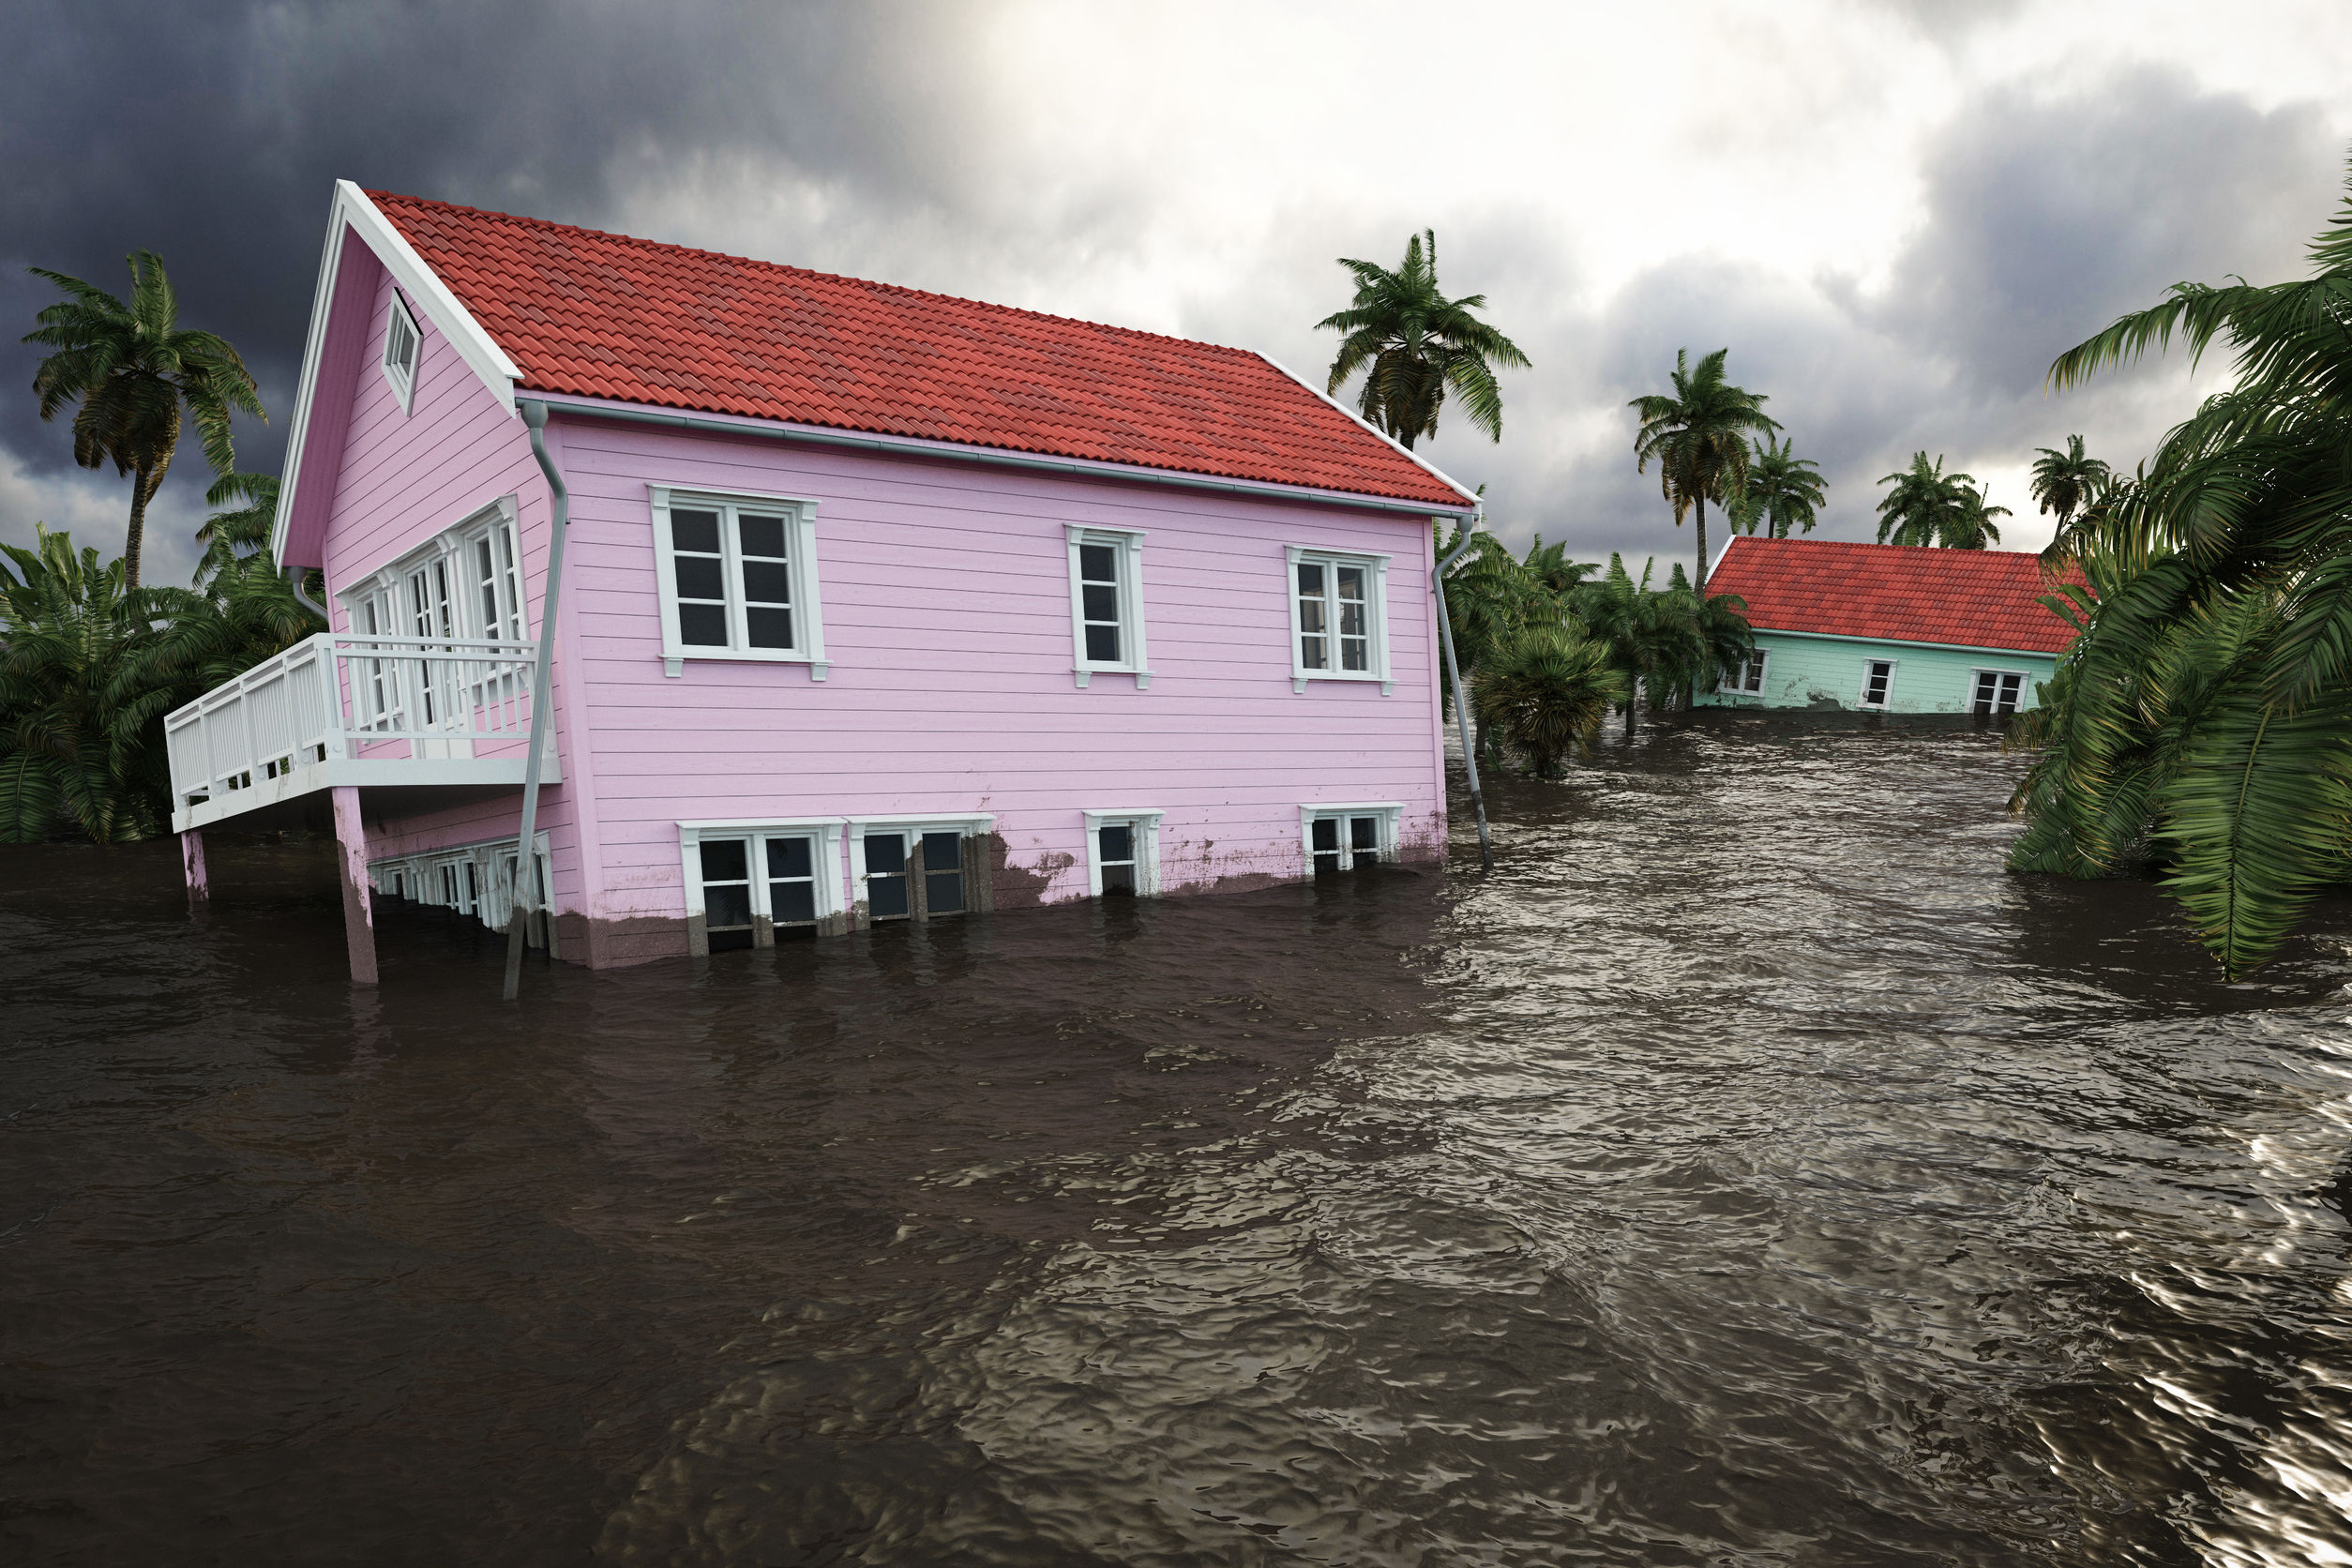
<point>1748,1172</point>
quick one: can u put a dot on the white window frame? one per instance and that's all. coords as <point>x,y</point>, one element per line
<point>1128,542</point>
<point>1390,812</point>
<point>485,896</point>
<point>1862,701</point>
<point>1376,607</point>
<point>385,591</point>
<point>800,524</point>
<point>979,897</point>
<point>1976,672</point>
<point>1762,659</point>
<point>1145,825</point>
<point>403,377</point>
<point>832,904</point>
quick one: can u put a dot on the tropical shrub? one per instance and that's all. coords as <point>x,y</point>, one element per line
<point>1544,692</point>
<point>2200,726</point>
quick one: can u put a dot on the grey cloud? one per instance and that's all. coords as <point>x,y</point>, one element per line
<point>212,133</point>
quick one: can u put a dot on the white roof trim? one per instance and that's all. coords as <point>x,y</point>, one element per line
<point>427,296</point>
<point>1459,489</point>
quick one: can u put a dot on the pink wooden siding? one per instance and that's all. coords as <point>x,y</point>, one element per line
<point>946,595</point>
<point>401,479</point>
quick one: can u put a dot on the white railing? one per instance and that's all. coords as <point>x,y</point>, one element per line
<point>335,697</point>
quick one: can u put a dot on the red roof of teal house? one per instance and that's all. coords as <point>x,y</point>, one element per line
<point>1970,599</point>
<point>603,315</point>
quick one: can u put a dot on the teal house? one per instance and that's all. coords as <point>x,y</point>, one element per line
<point>1888,628</point>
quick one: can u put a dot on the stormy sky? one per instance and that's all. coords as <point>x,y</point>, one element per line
<point>1894,214</point>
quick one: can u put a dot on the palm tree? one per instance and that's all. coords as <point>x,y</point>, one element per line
<point>1545,690</point>
<point>1492,596</point>
<point>1418,345</point>
<point>2201,723</point>
<point>1699,437</point>
<point>1783,494</point>
<point>69,755</point>
<point>2066,482</point>
<point>1928,506</point>
<point>1668,645</point>
<point>132,367</point>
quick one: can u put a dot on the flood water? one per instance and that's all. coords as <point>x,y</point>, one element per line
<point>1748,1172</point>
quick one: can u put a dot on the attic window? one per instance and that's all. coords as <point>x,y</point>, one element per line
<point>401,342</point>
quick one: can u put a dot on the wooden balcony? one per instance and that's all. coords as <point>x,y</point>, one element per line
<point>416,723</point>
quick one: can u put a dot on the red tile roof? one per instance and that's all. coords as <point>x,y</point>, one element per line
<point>1973,598</point>
<point>603,315</point>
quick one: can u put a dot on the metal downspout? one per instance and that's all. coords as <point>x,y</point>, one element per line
<point>525,897</point>
<point>293,579</point>
<point>1461,707</point>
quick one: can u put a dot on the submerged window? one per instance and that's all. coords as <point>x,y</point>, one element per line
<point>727,892</point>
<point>1746,678</point>
<point>793,881</point>
<point>1114,852</point>
<point>1344,839</point>
<point>919,873</point>
<point>1877,680</point>
<point>1998,692</point>
<point>1107,603</point>
<point>737,579</point>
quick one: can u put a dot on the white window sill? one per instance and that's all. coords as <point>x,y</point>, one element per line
<point>673,664</point>
<point>1299,677</point>
<point>1087,672</point>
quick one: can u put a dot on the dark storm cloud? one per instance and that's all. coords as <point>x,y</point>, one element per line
<point>2045,218</point>
<point>212,134</point>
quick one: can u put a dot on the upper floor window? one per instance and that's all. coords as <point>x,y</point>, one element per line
<point>461,587</point>
<point>737,579</point>
<point>1998,692</point>
<point>1746,678</point>
<point>1107,603</point>
<point>1338,618</point>
<point>403,344</point>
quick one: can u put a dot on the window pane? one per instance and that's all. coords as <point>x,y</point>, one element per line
<point>1311,580</point>
<point>1101,644</point>
<point>767,583</point>
<point>1364,833</point>
<point>761,535</point>
<point>694,531</point>
<point>886,852</point>
<point>727,905</point>
<point>1350,584</point>
<point>768,629</point>
<point>1098,564</point>
<point>1118,843</point>
<point>943,851</point>
<point>1311,619</point>
<point>698,577</point>
<point>1118,879</point>
<point>790,857</point>
<point>792,902</point>
<point>887,897</point>
<point>1101,602</point>
<point>702,626</point>
<point>1326,834</point>
<point>724,860</point>
<point>944,892</point>
<point>1327,863</point>
<point>1355,654</point>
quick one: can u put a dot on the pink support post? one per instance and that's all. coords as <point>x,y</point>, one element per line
<point>192,863</point>
<point>359,926</point>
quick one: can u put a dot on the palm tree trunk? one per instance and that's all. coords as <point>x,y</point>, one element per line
<point>1699,576</point>
<point>137,529</point>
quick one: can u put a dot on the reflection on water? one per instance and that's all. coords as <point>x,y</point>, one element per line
<point>1747,1172</point>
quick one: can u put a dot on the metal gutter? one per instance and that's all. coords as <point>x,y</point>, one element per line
<point>1461,707</point>
<point>899,446</point>
<point>522,905</point>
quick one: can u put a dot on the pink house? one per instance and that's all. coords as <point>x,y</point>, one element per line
<point>867,604</point>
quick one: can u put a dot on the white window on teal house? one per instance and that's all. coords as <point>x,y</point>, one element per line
<point>1745,679</point>
<point>1877,682</point>
<point>1998,692</point>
